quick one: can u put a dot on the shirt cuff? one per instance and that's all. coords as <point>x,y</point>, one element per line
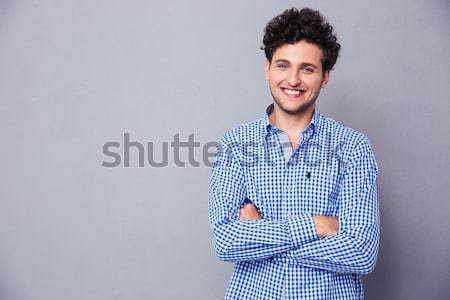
<point>302,229</point>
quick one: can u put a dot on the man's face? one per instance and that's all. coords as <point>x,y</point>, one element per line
<point>295,76</point>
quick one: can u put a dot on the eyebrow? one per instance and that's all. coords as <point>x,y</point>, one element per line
<point>302,64</point>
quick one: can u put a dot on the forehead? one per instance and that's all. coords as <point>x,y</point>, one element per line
<point>299,52</point>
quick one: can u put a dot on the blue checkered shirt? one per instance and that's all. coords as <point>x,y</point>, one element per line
<point>332,172</point>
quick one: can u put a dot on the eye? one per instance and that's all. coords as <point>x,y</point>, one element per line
<point>282,66</point>
<point>308,70</point>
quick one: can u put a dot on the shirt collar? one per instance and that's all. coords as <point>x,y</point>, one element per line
<point>267,126</point>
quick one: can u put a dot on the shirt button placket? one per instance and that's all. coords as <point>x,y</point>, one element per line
<point>288,189</point>
<point>285,191</point>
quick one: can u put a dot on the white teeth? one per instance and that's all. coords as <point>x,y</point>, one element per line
<point>292,92</point>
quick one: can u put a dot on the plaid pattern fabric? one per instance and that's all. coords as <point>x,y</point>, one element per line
<point>332,172</point>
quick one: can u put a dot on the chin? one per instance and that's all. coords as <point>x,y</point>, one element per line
<point>294,109</point>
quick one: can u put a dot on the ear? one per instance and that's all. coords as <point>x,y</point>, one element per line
<point>326,78</point>
<point>266,69</point>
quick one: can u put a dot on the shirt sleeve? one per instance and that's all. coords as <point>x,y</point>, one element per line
<point>236,240</point>
<point>355,248</point>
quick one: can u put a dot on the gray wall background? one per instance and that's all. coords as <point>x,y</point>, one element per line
<point>77,74</point>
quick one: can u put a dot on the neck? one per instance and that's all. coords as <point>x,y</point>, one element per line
<point>291,123</point>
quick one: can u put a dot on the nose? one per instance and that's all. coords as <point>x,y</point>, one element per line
<point>294,78</point>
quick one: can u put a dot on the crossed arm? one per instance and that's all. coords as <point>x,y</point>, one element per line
<point>347,243</point>
<point>325,225</point>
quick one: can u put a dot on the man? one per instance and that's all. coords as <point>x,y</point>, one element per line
<point>300,221</point>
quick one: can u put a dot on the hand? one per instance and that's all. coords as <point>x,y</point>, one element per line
<point>249,212</point>
<point>326,225</point>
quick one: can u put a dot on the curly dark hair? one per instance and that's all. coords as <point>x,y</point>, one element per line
<point>307,24</point>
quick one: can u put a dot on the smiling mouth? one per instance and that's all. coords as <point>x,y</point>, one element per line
<point>293,93</point>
